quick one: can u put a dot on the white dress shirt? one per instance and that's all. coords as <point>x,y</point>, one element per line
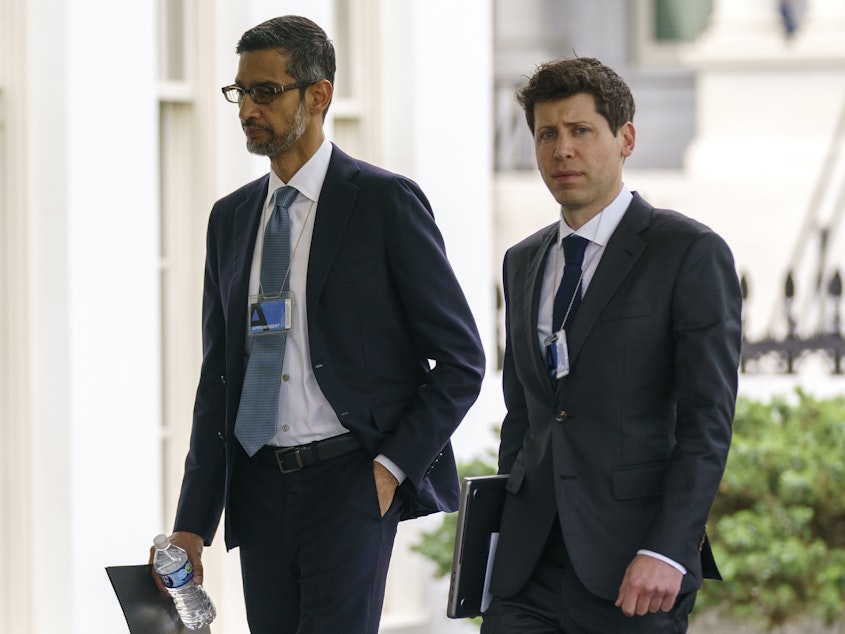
<point>598,231</point>
<point>305,415</point>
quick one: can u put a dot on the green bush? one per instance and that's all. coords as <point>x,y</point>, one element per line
<point>778,523</point>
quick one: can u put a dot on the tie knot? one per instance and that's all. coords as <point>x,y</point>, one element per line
<point>574,247</point>
<point>284,196</point>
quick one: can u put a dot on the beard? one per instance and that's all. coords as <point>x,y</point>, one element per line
<point>280,143</point>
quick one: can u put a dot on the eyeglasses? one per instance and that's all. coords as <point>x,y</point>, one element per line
<point>259,94</point>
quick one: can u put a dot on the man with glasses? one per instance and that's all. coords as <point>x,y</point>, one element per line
<point>320,420</point>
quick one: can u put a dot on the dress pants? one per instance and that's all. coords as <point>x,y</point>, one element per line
<point>554,601</point>
<point>314,548</point>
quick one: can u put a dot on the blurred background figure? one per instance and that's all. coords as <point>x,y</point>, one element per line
<point>788,15</point>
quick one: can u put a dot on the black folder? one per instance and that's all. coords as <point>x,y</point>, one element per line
<point>479,516</point>
<point>147,610</point>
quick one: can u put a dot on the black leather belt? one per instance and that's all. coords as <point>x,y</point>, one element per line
<point>291,459</point>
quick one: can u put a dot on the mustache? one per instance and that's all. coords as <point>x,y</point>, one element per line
<point>251,123</point>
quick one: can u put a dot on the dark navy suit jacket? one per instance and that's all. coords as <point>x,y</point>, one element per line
<point>629,448</point>
<point>382,302</point>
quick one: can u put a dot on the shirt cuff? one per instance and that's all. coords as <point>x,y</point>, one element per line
<point>391,466</point>
<point>664,559</point>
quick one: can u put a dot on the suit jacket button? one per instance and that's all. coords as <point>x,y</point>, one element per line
<point>561,416</point>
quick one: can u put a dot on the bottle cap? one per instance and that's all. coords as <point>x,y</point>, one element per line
<point>161,542</point>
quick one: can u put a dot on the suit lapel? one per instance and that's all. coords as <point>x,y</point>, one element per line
<point>247,220</point>
<point>623,250</point>
<point>337,199</point>
<point>534,283</point>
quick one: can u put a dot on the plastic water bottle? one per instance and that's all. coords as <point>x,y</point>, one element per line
<point>177,574</point>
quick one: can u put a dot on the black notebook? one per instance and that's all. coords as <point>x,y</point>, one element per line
<point>479,515</point>
<point>147,610</point>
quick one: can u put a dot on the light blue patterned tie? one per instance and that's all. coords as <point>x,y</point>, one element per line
<point>258,410</point>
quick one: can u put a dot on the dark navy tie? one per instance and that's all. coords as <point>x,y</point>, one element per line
<point>259,406</point>
<point>568,296</point>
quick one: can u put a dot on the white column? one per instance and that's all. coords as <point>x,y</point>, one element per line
<point>92,319</point>
<point>113,312</point>
<point>17,572</point>
<point>750,26</point>
<point>821,32</point>
<point>47,333</point>
<point>827,14</point>
<point>436,96</point>
<point>745,17</point>
<point>437,100</point>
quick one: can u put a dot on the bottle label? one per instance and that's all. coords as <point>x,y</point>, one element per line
<point>178,578</point>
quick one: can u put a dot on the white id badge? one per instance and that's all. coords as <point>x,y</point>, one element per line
<point>270,315</point>
<point>557,355</point>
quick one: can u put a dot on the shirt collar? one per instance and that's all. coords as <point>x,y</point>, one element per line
<point>309,178</point>
<point>603,224</point>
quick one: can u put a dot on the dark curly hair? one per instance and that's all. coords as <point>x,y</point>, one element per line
<point>567,77</point>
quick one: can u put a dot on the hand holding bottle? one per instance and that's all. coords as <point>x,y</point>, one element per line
<point>175,573</point>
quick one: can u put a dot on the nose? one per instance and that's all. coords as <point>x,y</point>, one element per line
<point>247,108</point>
<point>563,148</point>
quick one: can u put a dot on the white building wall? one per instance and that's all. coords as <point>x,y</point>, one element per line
<point>81,91</point>
<point>113,298</point>
<point>49,360</point>
<point>16,481</point>
<point>768,112</point>
<point>436,104</point>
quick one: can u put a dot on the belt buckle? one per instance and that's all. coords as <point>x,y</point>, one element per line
<point>296,452</point>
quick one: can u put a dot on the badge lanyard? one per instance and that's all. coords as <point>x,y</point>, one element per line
<point>273,314</point>
<point>557,350</point>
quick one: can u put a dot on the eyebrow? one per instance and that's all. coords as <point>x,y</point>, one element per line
<point>566,124</point>
<point>266,82</point>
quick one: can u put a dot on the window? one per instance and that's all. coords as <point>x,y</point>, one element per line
<point>178,208</point>
<point>173,42</point>
<point>355,105</point>
<point>662,27</point>
<point>680,20</point>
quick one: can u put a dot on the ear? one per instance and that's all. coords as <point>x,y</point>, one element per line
<point>318,97</point>
<point>628,136</point>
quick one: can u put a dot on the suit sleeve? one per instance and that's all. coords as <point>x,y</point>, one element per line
<point>442,326</point>
<point>515,424</point>
<point>201,498</point>
<point>706,310</point>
